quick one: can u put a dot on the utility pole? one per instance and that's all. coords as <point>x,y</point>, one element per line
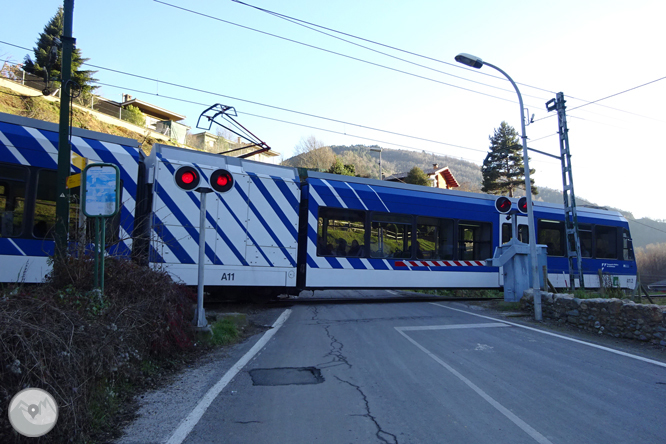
<point>64,149</point>
<point>570,214</point>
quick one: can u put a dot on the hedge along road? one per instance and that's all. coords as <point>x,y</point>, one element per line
<point>432,372</point>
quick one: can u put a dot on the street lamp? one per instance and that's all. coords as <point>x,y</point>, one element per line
<point>380,161</point>
<point>476,62</point>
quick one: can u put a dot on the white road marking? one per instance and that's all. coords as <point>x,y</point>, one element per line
<point>393,292</point>
<point>538,437</point>
<point>600,347</point>
<point>193,418</point>
<point>452,326</point>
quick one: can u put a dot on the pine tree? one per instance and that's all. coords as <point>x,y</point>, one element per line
<point>416,176</point>
<point>48,58</point>
<point>503,168</point>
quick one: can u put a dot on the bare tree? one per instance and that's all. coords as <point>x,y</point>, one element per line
<point>312,153</point>
<point>651,262</point>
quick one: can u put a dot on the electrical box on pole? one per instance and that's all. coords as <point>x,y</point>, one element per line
<point>570,215</point>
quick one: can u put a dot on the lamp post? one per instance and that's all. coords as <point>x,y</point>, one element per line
<point>380,161</point>
<point>476,62</point>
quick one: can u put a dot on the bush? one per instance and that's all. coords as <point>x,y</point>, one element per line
<point>82,346</point>
<point>132,114</point>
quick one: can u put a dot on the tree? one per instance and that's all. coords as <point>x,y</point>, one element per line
<point>651,262</point>
<point>339,168</point>
<point>416,176</point>
<point>48,58</point>
<point>503,168</point>
<point>312,153</point>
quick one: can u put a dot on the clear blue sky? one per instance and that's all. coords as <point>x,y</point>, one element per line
<point>587,49</point>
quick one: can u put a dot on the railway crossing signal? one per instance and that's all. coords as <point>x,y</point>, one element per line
<point>187,178</point>
<point>221,181</point>
<point>522,205</point>
<point>503,204</point>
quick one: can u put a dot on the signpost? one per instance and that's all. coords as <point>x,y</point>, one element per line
<point>100,199</point>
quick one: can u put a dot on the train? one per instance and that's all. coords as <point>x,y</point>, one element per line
<point>271,231</point>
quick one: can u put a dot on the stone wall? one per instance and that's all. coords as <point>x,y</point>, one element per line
<point>614,317</point>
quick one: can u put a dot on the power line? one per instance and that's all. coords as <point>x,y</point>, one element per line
<point>312,28</point>
<point>299,124</point>
<point>333,52</point>
<point>645,225</point>
<point>607,97</point>
<point>303,23</point>
<point>256,103</point>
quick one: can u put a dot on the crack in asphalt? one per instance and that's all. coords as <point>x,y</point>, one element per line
<point>381,434</point>
<point>336,349</point>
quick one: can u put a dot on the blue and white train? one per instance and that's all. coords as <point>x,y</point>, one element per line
<point>270,232</point>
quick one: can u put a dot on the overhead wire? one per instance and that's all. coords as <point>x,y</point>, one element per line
<point>476,71</point>
<point>293,123</point>
<point>191,11</point>
<point>302,24</point>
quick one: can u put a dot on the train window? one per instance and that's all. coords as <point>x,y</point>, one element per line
<point>606,242</point>
<point>391,236</point>
<point>341,232</point>
<point>474,240</point>
<point>45,205</point>
<point>523,233</point>
<point>551,234</point>
<point>12,199</point>
<point>434,238</point>
<point>627,246</point>
<point>585,237</point>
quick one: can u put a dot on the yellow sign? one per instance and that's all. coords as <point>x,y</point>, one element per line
<point>79,162</point>
<point>74,180</point>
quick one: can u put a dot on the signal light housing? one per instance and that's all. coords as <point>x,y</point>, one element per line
<point>522,205</point>
<point>187,178</point>
<point>503,204</point>
<point>221,181</point>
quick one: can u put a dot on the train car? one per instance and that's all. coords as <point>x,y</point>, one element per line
<point>28,164</point>
<point>364,233</point>
<point>251,219</point>
<point>270,232</point>
<point>605,242</point>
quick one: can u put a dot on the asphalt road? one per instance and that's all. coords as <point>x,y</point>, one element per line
<point>432,373</point>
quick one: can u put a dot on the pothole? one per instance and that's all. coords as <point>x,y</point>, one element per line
<point>286,376</point>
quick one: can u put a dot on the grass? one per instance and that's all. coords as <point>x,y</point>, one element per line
<point>224,331</point>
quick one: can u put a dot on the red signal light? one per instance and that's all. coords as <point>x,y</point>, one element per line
<point>522,205</point>
<point>187,178</point>
<point>503,204</point>
<point>221,181</point>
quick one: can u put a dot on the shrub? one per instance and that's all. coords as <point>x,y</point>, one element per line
<point>81,345</point>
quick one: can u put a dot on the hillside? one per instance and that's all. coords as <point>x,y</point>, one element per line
<point>644,231</point>
<point>42,109</point>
